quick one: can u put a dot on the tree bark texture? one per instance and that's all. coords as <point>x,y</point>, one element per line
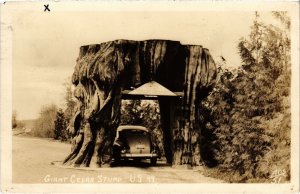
<point>104,70</point>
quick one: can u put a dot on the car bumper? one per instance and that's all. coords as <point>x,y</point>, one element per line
<point>127,155</point>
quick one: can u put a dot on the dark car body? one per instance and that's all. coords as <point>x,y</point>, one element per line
<point>134,142</point>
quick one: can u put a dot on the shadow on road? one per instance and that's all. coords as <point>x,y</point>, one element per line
<point>139,163</point>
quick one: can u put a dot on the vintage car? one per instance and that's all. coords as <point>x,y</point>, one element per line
<point>134,142</point>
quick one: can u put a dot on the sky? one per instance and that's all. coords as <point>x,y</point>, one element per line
<point>46,45</point>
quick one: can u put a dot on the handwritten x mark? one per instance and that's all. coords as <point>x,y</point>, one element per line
<point>46,8</point>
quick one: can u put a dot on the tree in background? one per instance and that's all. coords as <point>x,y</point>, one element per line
<point>249,109</point>
<point>130,112</point>
<point>14,119</point>
<point>44,126</point>
<point>69,100</point>
<point>52,122</point>
<point>60,130</point>
<point>15,122</point>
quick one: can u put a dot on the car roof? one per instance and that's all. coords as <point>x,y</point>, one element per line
<point>132,127</point>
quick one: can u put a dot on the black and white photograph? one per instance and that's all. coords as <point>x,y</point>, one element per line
<point>150,96</point>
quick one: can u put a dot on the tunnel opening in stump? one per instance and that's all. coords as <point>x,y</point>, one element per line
<point>144,112</point>
<point>105,72</point>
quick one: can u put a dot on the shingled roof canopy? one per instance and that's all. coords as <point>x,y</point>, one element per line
<point>148,90</point>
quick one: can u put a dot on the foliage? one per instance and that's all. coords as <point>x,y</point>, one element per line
<point>249,109</point>
<point>140,112</point>
<point>14,119</point>
<point>69,100</point>
<point>52,122</point>
<point>44,126</point>
<point>60,130</point>
<point>15,122</point>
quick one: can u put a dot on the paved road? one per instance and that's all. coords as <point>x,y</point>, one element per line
<point>32,159</point>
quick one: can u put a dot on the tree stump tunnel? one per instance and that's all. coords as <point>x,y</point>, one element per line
<point>104,70</point>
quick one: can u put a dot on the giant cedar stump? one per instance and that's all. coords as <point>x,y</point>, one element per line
<point>104,70</point>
